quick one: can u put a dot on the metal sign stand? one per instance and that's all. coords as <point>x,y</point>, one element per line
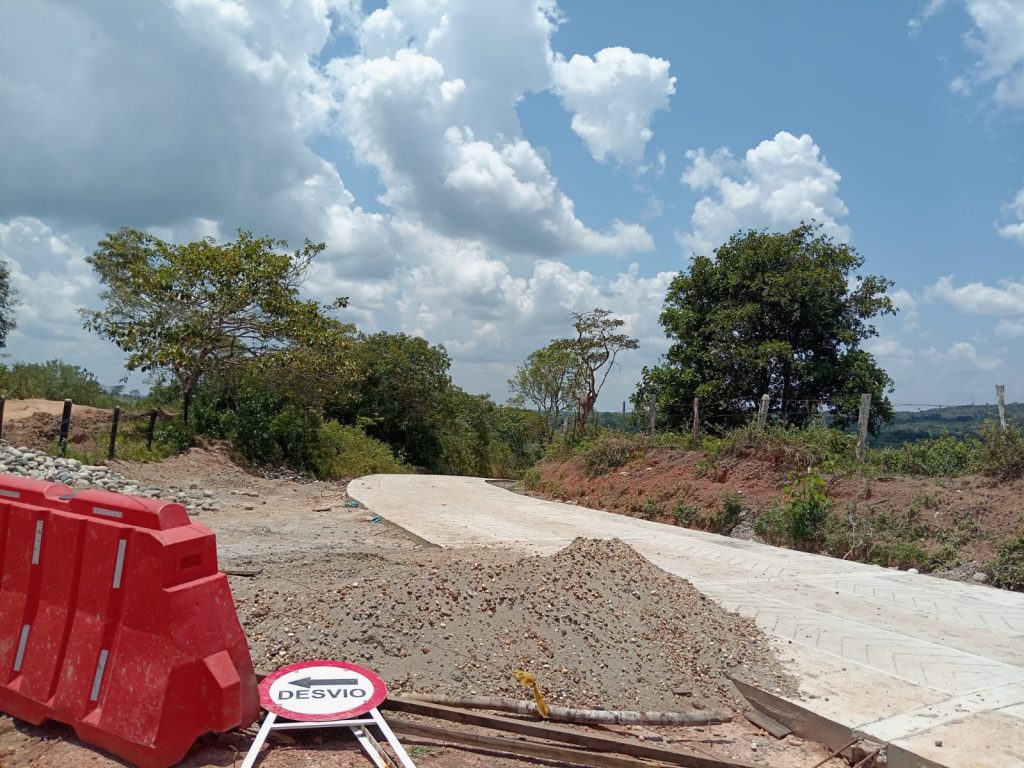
<point>358,727</point>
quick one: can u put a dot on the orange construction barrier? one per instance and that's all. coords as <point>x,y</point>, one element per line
<point>115,620</point>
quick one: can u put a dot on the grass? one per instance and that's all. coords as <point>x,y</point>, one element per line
<point>1007,570</point>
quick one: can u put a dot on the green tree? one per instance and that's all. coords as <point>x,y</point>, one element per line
<point>8,299</point>
<point>549,379</point>
<point>781,314</point>
<point>595,348</point>
<point>200,307</point>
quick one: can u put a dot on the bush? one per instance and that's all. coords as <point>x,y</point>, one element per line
<point>800,522</point>
<point>174,435</point>
<point>254,416</point>
<point>606,452</point>
<point>1007,570</point>
<point>349,452</point>
<point>815,445</point>
<point>1002,452</point>
<point>729,514</point>
<point>945,456</point>
<point>686,514</point>
<point>651,509</point>
<point>297,434</point>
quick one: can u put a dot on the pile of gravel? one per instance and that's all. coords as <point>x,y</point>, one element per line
<point>38,465</point>
<point>598,624</point>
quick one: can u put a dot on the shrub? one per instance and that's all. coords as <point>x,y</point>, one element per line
<point>815,445</point>
<point>297,434</point>
<point>685,514</point>
<point>651,509</point>
<point>256,410</point>
<point>945,456</point>
<point>1002,451</point>
<point>607,452</point>
<point>174,435</point>
<point>346,451</point>
<point>800,521</point>
<point>729,513</point>
<point>1007,570</point>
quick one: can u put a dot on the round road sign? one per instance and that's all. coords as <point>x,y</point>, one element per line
<point>317,691</point>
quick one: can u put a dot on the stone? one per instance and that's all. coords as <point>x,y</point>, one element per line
<point>980,578</point>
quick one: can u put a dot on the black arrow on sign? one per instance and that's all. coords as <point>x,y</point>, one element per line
<point>307,682</point>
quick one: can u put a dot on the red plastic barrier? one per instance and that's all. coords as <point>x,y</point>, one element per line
<point>115,620</point>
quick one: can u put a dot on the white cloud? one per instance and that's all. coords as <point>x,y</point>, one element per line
<point>1014,211</point>
<point>612,98</point>
<point>890,352</point>
<point>779,183</point>
<point>906,304</point>
<point>963,356</point>
<point>978,298</point>
<point>997,38</point>
<point>1012,329</point>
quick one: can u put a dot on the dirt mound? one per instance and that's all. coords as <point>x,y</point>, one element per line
<point>599,625</point>
<point>41,430</point>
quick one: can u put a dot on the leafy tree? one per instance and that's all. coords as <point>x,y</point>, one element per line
<point>595,348</point>
<point>549,379</point>
<point>200,307</point>
<point>54,380</point>
<point>8,297</point>
<point>781,314</point>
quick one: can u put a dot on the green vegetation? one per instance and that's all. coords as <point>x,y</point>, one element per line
<point>686,514</point>
<point>800,520</point>
<point>957,421</point>
<point>55,380</point>
<point>729,513</point>
<point>195,309</point>
<point>782,314</point>
<point>1002,452</point>
<point>945,456</point>
<point>1007,570</point>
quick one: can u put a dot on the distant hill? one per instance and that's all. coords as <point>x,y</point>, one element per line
<point>906,427</point>
<point>957,420</point>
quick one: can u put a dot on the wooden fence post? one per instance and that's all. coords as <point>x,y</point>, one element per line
<point>762,412</point>
<point>863,418</point>
<point>151,430</point>
<point>65,426</point>
<point>113,432</point>
<point>3,402</point>
<point>1001,404</point>
<point>696,420</point>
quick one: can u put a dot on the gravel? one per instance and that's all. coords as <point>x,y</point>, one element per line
<point>597,623</point>
<point>38,465</point>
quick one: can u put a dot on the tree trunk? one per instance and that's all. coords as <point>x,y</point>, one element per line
<point>186,404</point>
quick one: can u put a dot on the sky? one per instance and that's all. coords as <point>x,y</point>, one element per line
<point>481,170</point>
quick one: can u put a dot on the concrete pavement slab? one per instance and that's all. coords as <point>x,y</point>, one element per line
<point>901,658</point>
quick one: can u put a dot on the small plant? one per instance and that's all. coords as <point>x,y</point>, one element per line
<point>1002,452</point>
<point>800,522</point>
<point>685,514</point>
<point>729,513</point>
<point>531,479</point>
<point>807,508</point>
<point>651,509</point>
<point>607,452</point>
<point>924,500</point>
<point>1007,570</point>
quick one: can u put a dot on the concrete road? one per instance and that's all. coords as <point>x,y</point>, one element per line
<point>933,668</point>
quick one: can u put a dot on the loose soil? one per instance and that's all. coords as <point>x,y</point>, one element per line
<point>959,523</point>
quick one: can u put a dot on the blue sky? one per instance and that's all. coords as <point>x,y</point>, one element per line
<point>481,170</point>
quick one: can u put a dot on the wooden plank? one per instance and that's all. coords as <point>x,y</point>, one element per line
<point>770,724</point>
<point>802,721</point>
<point>521,748</point>
<point>557,733</point>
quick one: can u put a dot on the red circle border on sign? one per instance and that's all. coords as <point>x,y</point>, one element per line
<point>380,692</point>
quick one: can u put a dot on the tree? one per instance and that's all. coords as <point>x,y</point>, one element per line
<point>595,348</point>
<point>781,314</point>
<point>8,297</point>
<point>549,379</point>
<point>200,307</point>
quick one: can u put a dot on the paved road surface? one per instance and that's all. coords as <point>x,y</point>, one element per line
<point>906,659</point>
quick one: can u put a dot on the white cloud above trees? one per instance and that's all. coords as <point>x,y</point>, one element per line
<point>777,184</point>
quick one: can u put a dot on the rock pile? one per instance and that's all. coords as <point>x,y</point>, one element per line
<point>38,465</point>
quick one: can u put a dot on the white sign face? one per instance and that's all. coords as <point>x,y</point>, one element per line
<point>322,690</point>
